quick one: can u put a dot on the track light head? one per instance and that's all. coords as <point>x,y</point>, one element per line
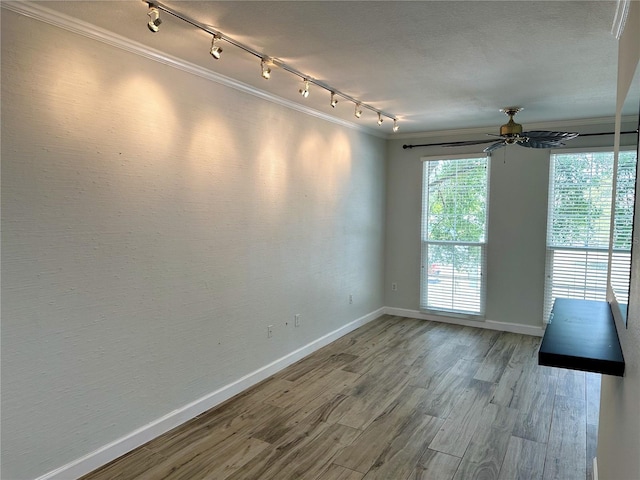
<point>154,19</point>
<point>395,125</point>
<point>379,119</point>
<point>266,70</point>
<point>304,91</point>
<point>334,100</point>
<point>358,111</point>
<point>216,50</point>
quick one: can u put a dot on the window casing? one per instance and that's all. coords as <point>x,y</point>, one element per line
<point>579,226</point>
<point>454,232</point>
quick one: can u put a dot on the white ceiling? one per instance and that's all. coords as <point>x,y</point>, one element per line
<point>436,65</point>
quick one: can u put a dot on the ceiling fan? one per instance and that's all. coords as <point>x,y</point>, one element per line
<point>511,133</point>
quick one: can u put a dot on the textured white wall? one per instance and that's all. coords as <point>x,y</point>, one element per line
<point>153,224</point>
<point>517,235</point>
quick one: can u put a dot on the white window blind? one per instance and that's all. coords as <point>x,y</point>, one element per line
<point>579,226</point>
<point>623,224</point>
<point>454,225</point>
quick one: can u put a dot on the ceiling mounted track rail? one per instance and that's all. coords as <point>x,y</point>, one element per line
<point>266,61</point>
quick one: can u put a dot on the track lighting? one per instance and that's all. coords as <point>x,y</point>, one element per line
<point>266,70</point>
<point>216,50</point>
<point>154,19</point>
<point>266,62</point>
<point>304,91</point>
<point>334,100</point>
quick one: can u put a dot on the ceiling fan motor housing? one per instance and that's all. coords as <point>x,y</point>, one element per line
<point>511,128</point>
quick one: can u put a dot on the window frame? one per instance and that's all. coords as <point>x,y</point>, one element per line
<point>600,252</point>
<point>619,274</point>
<point>424,242</point>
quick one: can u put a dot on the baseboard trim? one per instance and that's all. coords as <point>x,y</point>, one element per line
<point>488,324</point>
<point>142,435</point>
<point>119,447</point>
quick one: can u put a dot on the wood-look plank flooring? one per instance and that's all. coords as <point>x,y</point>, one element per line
<point>398,399</point>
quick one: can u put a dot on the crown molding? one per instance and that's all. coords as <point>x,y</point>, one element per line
<point>88,30</point>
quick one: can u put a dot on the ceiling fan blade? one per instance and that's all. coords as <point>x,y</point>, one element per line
<point>544,139</point>
<point>532,143</point>
<point>494,146</point>
<point>545,136</point>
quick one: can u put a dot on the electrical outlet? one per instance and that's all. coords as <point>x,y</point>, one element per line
<point>296,320</point>
<point>351,298</point>
<point>394,287</point>
<point>270,331</point>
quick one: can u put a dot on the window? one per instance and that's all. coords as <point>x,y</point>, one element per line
<point>454,226</point>
<point>579,225</point>
<point>623,224</point>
